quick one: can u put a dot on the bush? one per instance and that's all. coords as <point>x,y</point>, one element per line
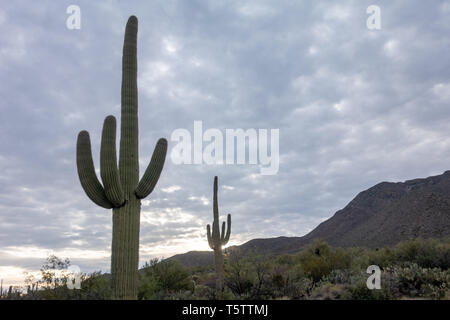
<point>346,276</point>
<point>161,279</point>
<point>238,276</point>
<point>414,281</point>
<point>318,260</point>
<point>359,291</point>
<point>287,259</point>
<point>383,257</point>
<point>96,286</point>
<point>425,253</point>
<point>352,285</point>
<point>327,291</point>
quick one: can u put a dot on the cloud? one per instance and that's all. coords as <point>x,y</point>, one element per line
<point>171,189</point>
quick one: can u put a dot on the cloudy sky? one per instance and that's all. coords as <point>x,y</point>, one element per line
<point>354,107</point>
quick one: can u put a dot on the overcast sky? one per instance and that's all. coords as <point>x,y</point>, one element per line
<point>354,107</point>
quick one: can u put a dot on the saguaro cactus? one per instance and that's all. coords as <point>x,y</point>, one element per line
<point>121,190</point>
<point>216,239</point>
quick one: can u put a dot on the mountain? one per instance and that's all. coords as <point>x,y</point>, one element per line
<point>194,258</point>
<point>389,213</point>
<point>382,215</point>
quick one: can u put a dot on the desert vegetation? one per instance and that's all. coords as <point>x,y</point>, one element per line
<point>415,269</point>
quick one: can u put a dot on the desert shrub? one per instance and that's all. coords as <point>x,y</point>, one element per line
<point>279,276</point>
<point>286,259</point>
<point>288,282</point>
<point>358,258</point>
<point>359,291</point>
<point>352,285</point>
<point>52,284</point>
<point>238,275</point>
<point>162,278</point>
<point>280,280</point>
<point>318,260</point>
<point>208,279</point>
<point>95,286</point>
<point>346,276</point>
<point>383,257</point>
<point>260,265</point>
<point>257,276</point>
<point>12,293</point>
<point>327,291</point>
<point>425,253</point>
<point>202,292</point>
<point>298,287</point>
<point>408,280</point>
<point>414,281</point>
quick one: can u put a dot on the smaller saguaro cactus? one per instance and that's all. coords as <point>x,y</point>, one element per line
<point>216,239</point>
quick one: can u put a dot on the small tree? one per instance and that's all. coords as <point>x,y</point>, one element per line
<point>53,272</point>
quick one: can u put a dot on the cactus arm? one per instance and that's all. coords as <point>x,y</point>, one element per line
<point>128,157</point>
<point>210,240</point>
<point>227,236</point>
<point>86,172</point>
<point>222,234</point>
<point>151,175</point>
<point>108,163</point>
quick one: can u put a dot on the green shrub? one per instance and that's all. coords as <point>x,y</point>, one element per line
<point>318,260</point>
<point>95,286</point>
<point>239,279</point>
<point>425,253</point>
<point>286,259</point>
<point>346,276</point>
<point>383,257</point>
<point>299,287</point>
<point>352,285</point>
<point>161,279</point>
<point>414,281</point>
<point>359,291</point>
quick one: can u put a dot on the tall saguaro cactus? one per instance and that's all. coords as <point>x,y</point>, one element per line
<point>121,190</point>
<point>216,239</point>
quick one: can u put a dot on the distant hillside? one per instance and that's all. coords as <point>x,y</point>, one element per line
<point>194,258</point>
<point>380,216</point>
<point>389,213</point>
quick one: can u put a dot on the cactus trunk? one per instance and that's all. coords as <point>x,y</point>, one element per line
<point>216,240</point>
<point>121,190</point>
<point>218,264</point>
<point>125,250</point>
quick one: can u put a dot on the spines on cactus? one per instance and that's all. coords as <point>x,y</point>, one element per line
<point>121,189</point>
<point>217,239</point>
